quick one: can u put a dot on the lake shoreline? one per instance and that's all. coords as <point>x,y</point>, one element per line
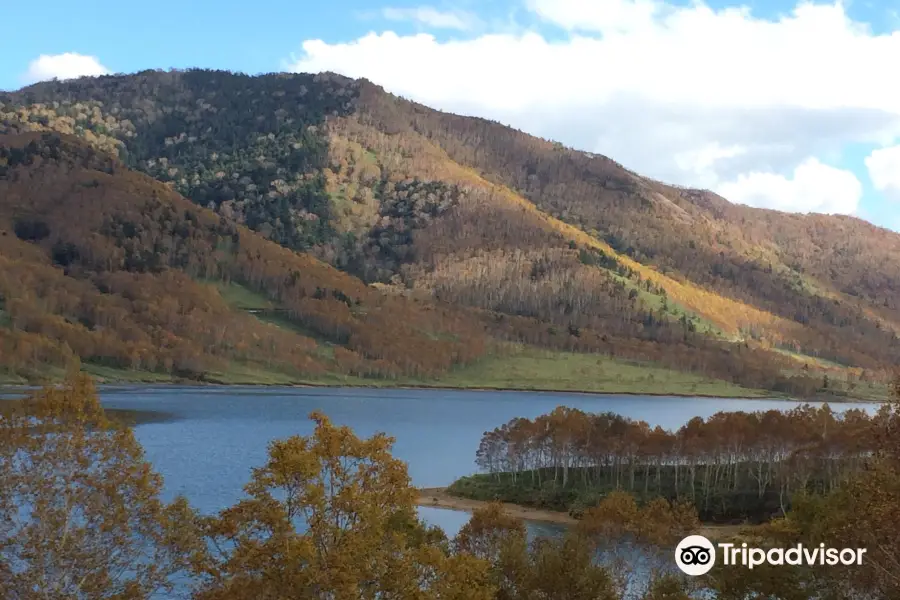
<point>214,384</point>
<point>438,497</point>
<point>102,382</point>
<point>579,392</point>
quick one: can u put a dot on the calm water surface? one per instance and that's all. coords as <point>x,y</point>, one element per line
<point>216,435</point>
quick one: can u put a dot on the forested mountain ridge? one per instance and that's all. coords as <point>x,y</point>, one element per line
<point>570,247</point>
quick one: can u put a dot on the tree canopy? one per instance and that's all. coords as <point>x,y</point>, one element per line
<point>331,516</point>
<point>80,511</point>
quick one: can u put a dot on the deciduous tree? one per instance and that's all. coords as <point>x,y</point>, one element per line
<point>80,511</point>
<point>332,516</point>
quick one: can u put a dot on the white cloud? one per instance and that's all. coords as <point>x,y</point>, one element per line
<point>431,17</point>
<point>813,187</point>
<point>63,66</point>
<point>884,170</point>
<point>687,94</point>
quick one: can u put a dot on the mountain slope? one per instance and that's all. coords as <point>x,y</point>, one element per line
<point>567,249</point>
<point>837,277</point>
<point>111,266</point>
<point>110,269</point>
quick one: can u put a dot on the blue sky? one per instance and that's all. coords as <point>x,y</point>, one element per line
<point>771,105</point>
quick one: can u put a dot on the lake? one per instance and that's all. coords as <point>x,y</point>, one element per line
<point>213,436</point>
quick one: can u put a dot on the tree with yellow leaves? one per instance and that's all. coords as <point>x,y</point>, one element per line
<point>80,513</point>
<point>547,568</point>
<point>628,534</point>
<point>332,516</point>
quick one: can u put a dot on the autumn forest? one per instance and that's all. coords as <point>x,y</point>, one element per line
<point>211,226</point>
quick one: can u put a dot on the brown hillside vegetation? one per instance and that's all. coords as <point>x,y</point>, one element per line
<point>479,241</point>
<point>822,285</point>
<point>492,249</point>
<point>104,264</point>
<point>539,243</point>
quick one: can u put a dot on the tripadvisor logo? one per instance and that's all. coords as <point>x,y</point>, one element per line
<point>696,555</point>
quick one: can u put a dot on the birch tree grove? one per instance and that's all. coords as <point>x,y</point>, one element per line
<point>731,465</point>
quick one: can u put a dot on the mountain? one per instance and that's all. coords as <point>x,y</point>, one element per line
<point>110,267</point>
<point>562,249</point>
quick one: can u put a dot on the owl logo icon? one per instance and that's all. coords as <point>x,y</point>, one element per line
<point>695,555</point>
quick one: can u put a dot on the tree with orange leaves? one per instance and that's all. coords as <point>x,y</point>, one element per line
<point>863,513</point>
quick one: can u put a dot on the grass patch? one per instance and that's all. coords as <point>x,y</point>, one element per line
<point>841,391</point>
<point>282,321</point>
<point>525,369</point>
<point>844,384</point>
<point>534,369</point>
<point>672,310</point>
<point>325,349</point>
<point>104,373</point>
<point>242,298</point>
<point>11,379</point>
<point>515,367</point>
<point>812,360</point>
<point>249,374</point>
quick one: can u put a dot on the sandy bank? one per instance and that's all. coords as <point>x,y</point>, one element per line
<point>439,498</point>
